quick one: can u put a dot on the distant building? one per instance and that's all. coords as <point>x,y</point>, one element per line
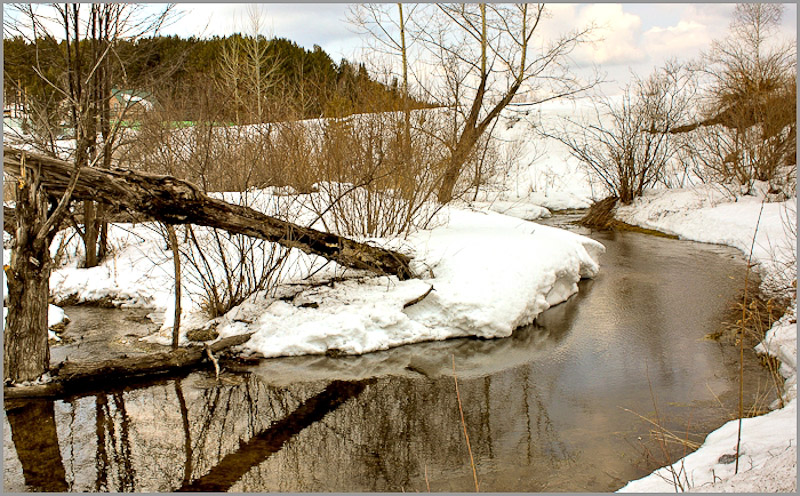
<point>136,103</point>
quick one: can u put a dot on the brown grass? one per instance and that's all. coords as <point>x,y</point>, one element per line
<point>601,216</point>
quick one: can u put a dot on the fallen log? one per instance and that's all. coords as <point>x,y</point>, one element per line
<point>72,375</point>
<point>10,218</point>
<point>173,201</point>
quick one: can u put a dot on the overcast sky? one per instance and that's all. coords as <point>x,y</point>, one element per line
<point>637,37</point>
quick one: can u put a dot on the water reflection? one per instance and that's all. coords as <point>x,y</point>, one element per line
<point>543,408</point>
<point>33,432</point>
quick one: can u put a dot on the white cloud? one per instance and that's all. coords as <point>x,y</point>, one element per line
<point>306,24</point>
<point>616,37</point>
<point>683,40</point>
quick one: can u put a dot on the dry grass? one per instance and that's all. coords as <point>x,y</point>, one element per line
<point>600,214</point>
<point>756,316</point>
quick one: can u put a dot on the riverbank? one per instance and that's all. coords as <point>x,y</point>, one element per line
<point>481,274</point>
<point>767,233</point>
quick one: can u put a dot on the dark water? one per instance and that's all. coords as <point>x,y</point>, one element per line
<point>556,407</point>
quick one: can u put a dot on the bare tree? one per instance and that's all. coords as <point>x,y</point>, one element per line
<point>501,58</point>
<point>748,131</point>
<point>84,88</point>
<point>247,69</point>
<point>628,143</point>
<point>88,67</point>
<point>391,37</point>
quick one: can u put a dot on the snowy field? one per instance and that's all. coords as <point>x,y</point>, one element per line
<point>486,268</point>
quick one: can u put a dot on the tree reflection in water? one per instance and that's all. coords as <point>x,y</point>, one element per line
<point>242,434</point>
<point>542,407</point>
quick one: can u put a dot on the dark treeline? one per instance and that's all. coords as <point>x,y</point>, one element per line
<point>294,82</point>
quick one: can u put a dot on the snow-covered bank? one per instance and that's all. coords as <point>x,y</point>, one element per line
<point>768,461</point>
<point>490,274</point>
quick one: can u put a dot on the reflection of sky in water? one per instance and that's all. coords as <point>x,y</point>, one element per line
<point>543,407</point>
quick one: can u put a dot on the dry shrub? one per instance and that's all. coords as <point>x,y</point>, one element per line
<point>373,178</point>
<point>750,319</point>
<point>601,214</point>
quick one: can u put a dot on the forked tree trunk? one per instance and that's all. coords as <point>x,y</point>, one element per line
<point>26,354</point>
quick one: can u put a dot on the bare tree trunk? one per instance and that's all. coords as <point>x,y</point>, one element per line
<point>455,165</point>
<point>176,259</point>
<point>26,355</point>
<point>90,233</point>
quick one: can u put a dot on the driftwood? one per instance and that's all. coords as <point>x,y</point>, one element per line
<point>174,201</point>
<point>72,375</point>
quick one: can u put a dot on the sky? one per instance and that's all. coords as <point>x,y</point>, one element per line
<point>635,37</point>
<point>632,38</point>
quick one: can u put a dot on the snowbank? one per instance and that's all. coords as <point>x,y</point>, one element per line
<point>489,274</point>
<point>768,461</point>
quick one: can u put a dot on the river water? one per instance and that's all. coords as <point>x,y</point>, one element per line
<point>562,405</point>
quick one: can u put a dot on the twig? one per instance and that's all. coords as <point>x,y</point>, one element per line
<point>741,339</point>
<point>213,360</point>
<point>464,425</point>
<point>418,298</point>
<point>176,260</point>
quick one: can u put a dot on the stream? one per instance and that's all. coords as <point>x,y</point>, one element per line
<point>562,405</point>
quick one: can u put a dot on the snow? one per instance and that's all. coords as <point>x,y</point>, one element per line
<point>763,438</point>
<point>489,269</point>
<point>490,274</point>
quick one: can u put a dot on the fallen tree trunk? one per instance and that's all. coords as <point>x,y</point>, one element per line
<point>70,375</point>
<point>10,216</point>
<point>173,201</point>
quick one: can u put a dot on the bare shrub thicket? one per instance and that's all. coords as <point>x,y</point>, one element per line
<point>221,270</point>
<point>372,182</point>
<point>628,144</point>
<point>749,128</point>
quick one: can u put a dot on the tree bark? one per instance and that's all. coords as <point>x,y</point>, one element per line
<point>90,233</point>
<point>176,261</point>
<point>26,354</point>
<point>174,201</point>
